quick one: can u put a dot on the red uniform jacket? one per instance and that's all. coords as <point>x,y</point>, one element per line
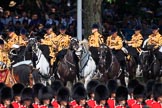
<point>130,102</point>
<point>156,105</point>
<point>111,102</point>
<point>16,104</point>
<point>91,103</point>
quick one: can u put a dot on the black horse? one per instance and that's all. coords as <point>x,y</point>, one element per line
<point>66,65</point>
<point>150,65</point>
<point>108,66</point>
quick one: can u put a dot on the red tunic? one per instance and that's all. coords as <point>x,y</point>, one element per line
<point>91,103</point>
<point>137,105</point>
<point>156,105</point>
<point>149,102</point>
<point>16,104</point>
<point>2,106</point>
<point>111,102</point>
<point>120,106</point>
<point>130,102</point>
<point>36,105</point>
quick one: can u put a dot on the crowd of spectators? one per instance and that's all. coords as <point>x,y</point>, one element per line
<point>33,15</point>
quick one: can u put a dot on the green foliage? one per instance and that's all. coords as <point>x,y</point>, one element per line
<point>111,1</point>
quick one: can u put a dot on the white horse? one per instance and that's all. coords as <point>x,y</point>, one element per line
<point>42,64</point>
<point>87,65</point>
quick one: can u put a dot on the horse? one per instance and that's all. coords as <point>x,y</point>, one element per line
<point>39,60</point>
<point>109,66</point>
<point>87,66</point>
<point>67,66</point>
<point>33,53</point>
<point>25,74</point>
<point>150,65</point>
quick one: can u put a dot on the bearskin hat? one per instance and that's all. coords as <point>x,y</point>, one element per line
<point>139,91</point>
<point>79,93</point>
<point>17,89</point>
<point>91,86</point>
<point>27,94</point>
<point>132,84</point>
<point>56,85</point>
<point>77,85</point>
<point>45,93</point>
<point>157,90</point>
<point>112,86</point>
<point>121,93</point>
<point>36,88</point>
<point>62,27</point>
<point>6,93</point>
<point>63,94</point>
<point>101,93</point>
<point>149,86</point>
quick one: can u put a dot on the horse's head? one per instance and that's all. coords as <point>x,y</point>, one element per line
<point>32,44</point>
<point>74,44</point>
<point>145,56</point>
<point>82,49</point>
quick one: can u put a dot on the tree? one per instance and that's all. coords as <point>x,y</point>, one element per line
<point>91,14</point>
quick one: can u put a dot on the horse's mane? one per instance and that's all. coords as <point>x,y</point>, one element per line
<point>85,43</point>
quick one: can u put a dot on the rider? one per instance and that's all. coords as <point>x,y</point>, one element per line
<point>22,38</point>
<point>134,45</point>
<point>3,53</point>
<point>62,42</point>
<point>155,41</point>
<point>96,38</point>
<point>114,42</point>
<point>49,39</point>
<point>13,38</point>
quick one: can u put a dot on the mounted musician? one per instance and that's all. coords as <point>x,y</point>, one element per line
<point>62,42</point>
<point>22,38</point>
<point>96,38</point>
<point>154,42</point>
<point>134,45</point>
<point>3,53</point>
<point>49,40</point>
<point>114,42</point>
<point>13,38</point>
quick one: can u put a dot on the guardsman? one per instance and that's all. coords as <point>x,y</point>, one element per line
<point>90,89</point>
<point>26,98</point>
<point>101,96</point>
<point>49,39</point>
<point>79,96</point>
<point>121,97</point>
<point>139,93</point>
<point>63,97</point>
<point>134,45</point>
<point>13,38</point>
<point>112,86</point>
<point>154,42</point>
<point>149,93</point>
<point>63,40</point>
<point>114,42</point>
<point>96,39</point>
<point>22,39</point>
<point>6,97</point>
<point>45,96</point>
<point>3,53</point>
<point>36,89</point>
<point>17,89</point>
<point>157,93</point>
